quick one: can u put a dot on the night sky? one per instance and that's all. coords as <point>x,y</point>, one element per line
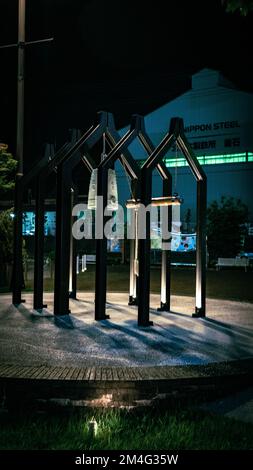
<point>125,57</point>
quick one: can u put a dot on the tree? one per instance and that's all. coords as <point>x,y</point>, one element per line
<point>8,167</point>
<point>224,231</point>
<point>6,236</point>
<point>7,182</point>
<point>6,246</point>
<point>244,6</point>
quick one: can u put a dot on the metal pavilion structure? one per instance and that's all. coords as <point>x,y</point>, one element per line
<point>62,163</point>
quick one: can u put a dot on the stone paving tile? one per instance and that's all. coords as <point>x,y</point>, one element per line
<point>127,374</point>
<point>18,372</point>
<point>87,374</point>
<point>92,373</point>
<point>109,374</point>
<point>26,371</point>
<point>54,373</point>
<point>68,374</point>
<point>63,373</point>
<point>98,373</point>
<point>115,374</point>
<point>137,373</point>
<point>103,374</point>
<point>47,372</point>
<point>4,368</point>
<point>10,371</point>
<point>43,371</point>
<point>82,374</point>
<point>120,372</point>
<point>76,372</point>
<point>36,374</point>
<point>133,375</point>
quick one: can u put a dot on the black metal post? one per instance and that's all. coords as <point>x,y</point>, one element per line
<point>73,252</point>
<point>17,273</point>
<point>39,246</point>
<point>75,136</point>
<point>101,246</point>
<point>166,255</point>
<point>144,254</point>
<point>199,174</point>
<point>200,309</point>
<point>63,222</point>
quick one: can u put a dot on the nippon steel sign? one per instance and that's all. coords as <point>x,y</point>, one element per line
<point>215,126</point>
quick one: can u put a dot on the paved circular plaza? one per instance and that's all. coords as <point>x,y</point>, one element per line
<point>32,339</point>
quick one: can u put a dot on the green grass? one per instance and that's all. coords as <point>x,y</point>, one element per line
<point>224,284</point>
<point>119,429</point>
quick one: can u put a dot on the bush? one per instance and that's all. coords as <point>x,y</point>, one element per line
<point>224,233</point>
<point>6,237</point>
<point>7,172</point>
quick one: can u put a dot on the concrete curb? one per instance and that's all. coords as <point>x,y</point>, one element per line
<point>115,386</point>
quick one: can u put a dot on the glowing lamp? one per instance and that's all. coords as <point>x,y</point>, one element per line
<point>156,201</point>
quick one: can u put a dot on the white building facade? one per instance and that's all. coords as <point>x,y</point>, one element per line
<point>218,122</point>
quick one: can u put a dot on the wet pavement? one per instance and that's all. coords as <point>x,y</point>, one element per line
<point>33,339</point>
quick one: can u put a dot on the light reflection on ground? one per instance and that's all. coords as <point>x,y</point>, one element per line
<point>29,338</point>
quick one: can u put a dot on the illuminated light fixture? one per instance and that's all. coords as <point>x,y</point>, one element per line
<point>84,264</point>
<point>112,189</point>
<point>156,201</point>
<point>133,203</point>
<point>92,427</point>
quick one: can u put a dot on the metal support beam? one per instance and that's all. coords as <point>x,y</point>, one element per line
<point>17,273</point>
<point>166,255</point>
<point>176,133</point>
<point>62,250</point>
<point>167,191</point>
<point>39,246</point>
<point>118,151</point>
<point>101,246</point>
<point>73,252</point>
<point>133,280</point>
<point>144,254</point>
<point>74,137</point>
<point>200,309</point>
<point>199,174</point>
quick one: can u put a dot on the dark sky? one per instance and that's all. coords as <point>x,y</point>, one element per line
<point>122,56</point>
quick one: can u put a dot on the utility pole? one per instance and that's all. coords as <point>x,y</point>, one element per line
<point>17,274</point>
<point>20,45</point>
<point>20,87</point>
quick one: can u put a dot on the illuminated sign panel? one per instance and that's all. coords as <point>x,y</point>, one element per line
<point>180,242</point>
<point>28,226</point>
